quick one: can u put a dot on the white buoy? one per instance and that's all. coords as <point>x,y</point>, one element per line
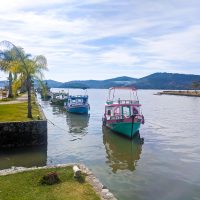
<point>77,171</point>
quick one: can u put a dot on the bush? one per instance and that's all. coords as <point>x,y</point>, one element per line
<point>50,178</point>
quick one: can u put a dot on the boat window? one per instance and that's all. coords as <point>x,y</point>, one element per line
<point>84,101</point>
<point>73,100</point>
<point>79,100</point>
<point>135,110</point>
<point>126,111</point>
<point>109,111</point>
<point>117,110</point>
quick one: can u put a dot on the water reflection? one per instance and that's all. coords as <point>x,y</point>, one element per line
<point>122,153</point>
<point>78,124</point>
<point>57,109</point>
<point>23,157</point>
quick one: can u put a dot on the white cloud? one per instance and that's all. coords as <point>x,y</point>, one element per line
<point>157,37</point>
<point>178,46</point>
<point>119,57</point>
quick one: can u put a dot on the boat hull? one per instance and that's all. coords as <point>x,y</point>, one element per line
<point>78,110</point>
<point>126,129</point>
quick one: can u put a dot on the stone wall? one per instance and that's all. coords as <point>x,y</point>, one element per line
<point>22,134</point>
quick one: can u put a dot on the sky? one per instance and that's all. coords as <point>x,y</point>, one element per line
<point>100,39</point>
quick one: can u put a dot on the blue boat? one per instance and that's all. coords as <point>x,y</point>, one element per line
<point>77,104</point>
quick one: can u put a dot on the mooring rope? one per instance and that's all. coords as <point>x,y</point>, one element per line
<point>65,130</point>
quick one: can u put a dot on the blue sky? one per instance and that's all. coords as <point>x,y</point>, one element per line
<point>99,39</point>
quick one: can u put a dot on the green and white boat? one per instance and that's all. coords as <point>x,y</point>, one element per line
<point>123,116</point>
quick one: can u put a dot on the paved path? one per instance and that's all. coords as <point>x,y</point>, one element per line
<point>21,99</point>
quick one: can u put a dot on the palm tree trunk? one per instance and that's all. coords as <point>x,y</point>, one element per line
<point>10,94</point>
<point>29,97</point>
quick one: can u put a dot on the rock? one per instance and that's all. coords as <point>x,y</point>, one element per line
<point>104,191</point>
<point>77,171</point>
<point>109,195</point>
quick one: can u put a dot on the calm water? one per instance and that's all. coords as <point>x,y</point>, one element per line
<point>166,166</point>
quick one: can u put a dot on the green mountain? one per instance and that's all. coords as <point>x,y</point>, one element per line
<point>153,81</point>
<point>50,83</point>
<point>167,81</point>
<point>119,81</point>
<point>3,83</point>
<point>53,84</point>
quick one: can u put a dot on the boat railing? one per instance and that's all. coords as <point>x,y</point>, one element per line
<point>78,96</point>
<point>116,117</point>
<point>123,102</point>
<point>120,116</point>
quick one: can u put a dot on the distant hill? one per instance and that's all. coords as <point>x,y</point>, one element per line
<point>168,81</point>
<point>53,84</point>
<point>119,81</point>
<point>153,81</point>
<point>3,83</point>
<point>50,83</point>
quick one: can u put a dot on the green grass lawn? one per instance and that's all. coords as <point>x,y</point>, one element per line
<point>27,186</point>
<point>17,112</point>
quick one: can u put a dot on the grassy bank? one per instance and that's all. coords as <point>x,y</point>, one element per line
<point>26,185</point>
<point>17,112</point>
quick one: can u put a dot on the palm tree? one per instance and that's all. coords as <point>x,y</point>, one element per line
<point>27,71</point>
<point>7,59</point>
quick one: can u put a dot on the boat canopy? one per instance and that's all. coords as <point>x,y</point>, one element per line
<point>123,88</point>
<point>133,98</point>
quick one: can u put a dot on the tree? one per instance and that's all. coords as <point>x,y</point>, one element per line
<point>27,71</point>
<point>25,68</point>
<point>196,85</point>
<point>7,60</point>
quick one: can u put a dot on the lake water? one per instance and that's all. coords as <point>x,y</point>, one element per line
<point>166,166</point>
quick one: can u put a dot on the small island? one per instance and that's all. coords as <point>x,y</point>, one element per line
<point>180,93</point>
<point>193,92</point>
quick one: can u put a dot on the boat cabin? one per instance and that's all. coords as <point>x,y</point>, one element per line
<point>77,100</point>
<point>121,111</point>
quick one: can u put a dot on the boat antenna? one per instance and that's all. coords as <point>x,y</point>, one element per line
<point>85,91</point>
<point>136,95</point>
<point>114,94</point>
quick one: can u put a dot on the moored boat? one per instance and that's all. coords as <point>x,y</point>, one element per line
<point>77,104</point>
<point>59,98</point>
<point>123,115</point>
